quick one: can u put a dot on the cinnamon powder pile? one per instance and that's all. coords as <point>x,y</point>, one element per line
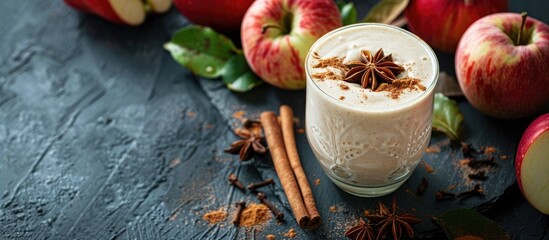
<point>216,216</point>
<point>255,214</point>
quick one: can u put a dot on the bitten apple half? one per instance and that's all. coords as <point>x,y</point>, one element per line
<point>532,163</point>
<point>127,12</point>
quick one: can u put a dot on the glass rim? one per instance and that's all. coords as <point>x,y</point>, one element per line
<point>411,101</point>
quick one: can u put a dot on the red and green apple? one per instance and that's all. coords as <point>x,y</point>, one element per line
<point>224,16</point>
<point>502,65</point>
<point>441,23</point>
<point>277,34</point>
<point>532,163</point>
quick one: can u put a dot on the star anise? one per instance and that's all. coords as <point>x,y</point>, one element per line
<point>251,143</point>
<point>361,231</point>
<point>391,221</point>
<point>372,70</point>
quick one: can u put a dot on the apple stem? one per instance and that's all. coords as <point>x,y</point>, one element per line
<point>266,26</point>
<point>519,37</point>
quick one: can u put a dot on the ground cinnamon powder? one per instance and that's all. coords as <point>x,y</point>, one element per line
<point>239,114</point>
<point>216,216</point>
<point>399,85</point>
<point>291,233</point>
<point>255,214</point>
<point>328,75</point>
<point>334,63</point>
<point>317,181</point>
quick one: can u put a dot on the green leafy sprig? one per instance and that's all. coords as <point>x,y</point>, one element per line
<point>209,54</point>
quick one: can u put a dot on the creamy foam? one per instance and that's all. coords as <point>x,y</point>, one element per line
<point>407,50</point>
<point>371,142</point>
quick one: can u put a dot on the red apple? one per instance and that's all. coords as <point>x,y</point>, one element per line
<point>532,163</point>
<point>276,35</point>
<point>126,12</point>
<point>500,76</point>
<point>222,15</point>
<point>441,23</point>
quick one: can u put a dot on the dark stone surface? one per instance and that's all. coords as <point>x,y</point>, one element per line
<point>104,136</point>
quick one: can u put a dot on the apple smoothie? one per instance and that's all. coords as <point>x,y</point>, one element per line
<point>369,141</point>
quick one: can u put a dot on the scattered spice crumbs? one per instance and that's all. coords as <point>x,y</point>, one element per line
<point>503,157</point>
<point>428,167</point>
<point>300,130</point>
<point>334,62</point>
<point>341,97</point>
<point>271,237</point>
<point>490,150</point>
<point>191,114</point>
<point>239,114</point>
<point>291,233</point>
<point>432,149</point>
<point>344,87</point>
<point>399,85</point>
<point>328,75</point>
<point>215,216</point>
<point>317,181</point>
<point>333,208</point>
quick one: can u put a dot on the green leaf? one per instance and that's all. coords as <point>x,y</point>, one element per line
<point>447,118</point>
<point>460,223</point>
<point>238,76</point>
<point>348,12</point>
<point>386,11</point>
<point>202,50</point>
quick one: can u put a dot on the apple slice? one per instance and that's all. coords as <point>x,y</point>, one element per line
<point>159,6</point>
<point>128,12</point>
<point>532,164</point>
<point>131,12</point>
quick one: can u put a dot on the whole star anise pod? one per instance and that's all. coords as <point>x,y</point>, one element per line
<point>250,143</point>
<point>361,231</point>
<point>391,221</point>
<point>371,70</point>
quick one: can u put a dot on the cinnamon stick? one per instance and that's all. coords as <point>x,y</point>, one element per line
<point>287,122</point>
<point>273,134</point>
